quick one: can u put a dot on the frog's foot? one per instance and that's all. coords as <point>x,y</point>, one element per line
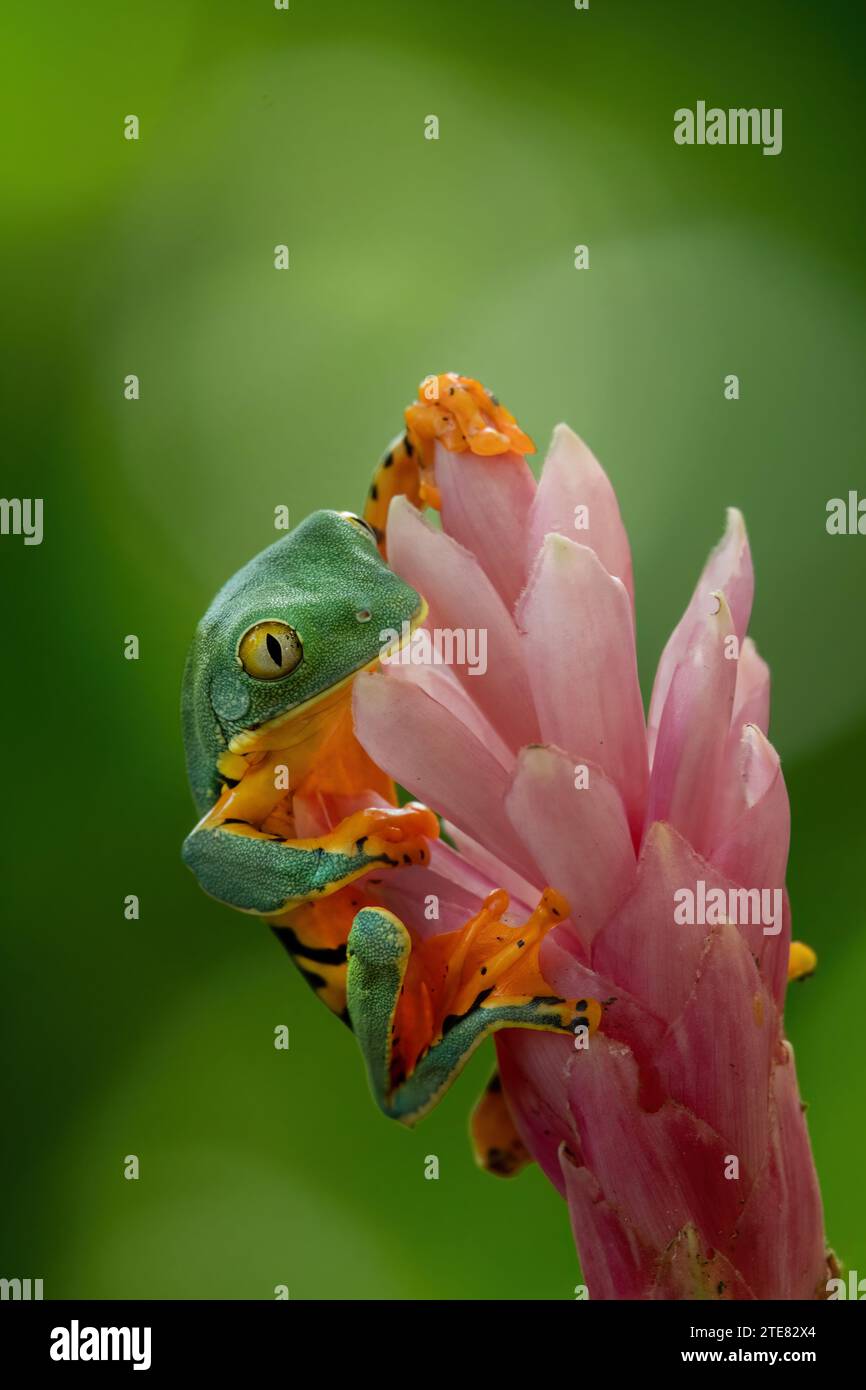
<point>420,1009</point>
<point>465,418</point>
<point>497,1146</point>
<point>268,873</point>
<point>398,835</point>
<point>802,961</point>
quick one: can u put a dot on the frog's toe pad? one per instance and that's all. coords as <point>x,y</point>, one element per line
<point>378,939</point>
<point>507,1162</point>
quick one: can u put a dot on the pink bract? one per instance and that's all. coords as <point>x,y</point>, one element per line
<point>677,1136</point>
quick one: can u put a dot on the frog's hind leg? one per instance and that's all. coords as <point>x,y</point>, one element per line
<point>456,411</point>
<point>397,474</point>
<point>496,1144</point>
<point>482,978</point>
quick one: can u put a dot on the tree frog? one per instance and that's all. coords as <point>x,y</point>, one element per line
<point>271,751</point>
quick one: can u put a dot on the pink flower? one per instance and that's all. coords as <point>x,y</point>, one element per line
<point>677,1135</point>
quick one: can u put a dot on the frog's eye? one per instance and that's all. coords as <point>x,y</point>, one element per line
<point>358,524</point>
<point>269,650</point>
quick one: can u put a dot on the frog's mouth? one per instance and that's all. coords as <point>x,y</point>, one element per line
<point>290,745</point>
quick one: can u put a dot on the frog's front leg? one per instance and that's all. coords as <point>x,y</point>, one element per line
<point>420,1009</point>
<point>254,871</point>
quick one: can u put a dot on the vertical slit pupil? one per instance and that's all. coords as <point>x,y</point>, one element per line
<point>275,651</point>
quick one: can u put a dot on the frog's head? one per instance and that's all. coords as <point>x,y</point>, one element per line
<point>291,626</point>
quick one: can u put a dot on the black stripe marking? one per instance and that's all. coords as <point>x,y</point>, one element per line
<point>453,1019</point>
<point>313,980</point>
<point>323,955</point>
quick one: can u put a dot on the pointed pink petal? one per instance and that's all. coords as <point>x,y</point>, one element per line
<point>485,502</point>
<point>628,1150</point>
<point>572,477</point>
<point>716,1057</point>
<point>654,1214</point>
<point>579,838</point>
<point>636,1154</point>
<point>780,1236</point>
<point>534,1081</point>
<point>729,571</point>
<point>752,843</point>
<point>688,768</point>
<point>625,1018</point>
<point>579,652</point>
<point>500,875</point>
<point>613,1261</point>
<point>449,861</point>
<point>461,596</point>
<point>638,1179</point>
<point>752,696</point>
<point>442,685</point>
<point>438,759</point>
<point>643,949</point>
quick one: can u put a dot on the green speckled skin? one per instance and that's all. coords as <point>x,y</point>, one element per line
<point>378,949</point>
<point>316,579</point>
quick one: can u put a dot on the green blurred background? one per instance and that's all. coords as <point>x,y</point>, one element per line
<point>258,388</point>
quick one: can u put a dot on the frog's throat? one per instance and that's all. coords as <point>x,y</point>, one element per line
<point>304,718</point>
